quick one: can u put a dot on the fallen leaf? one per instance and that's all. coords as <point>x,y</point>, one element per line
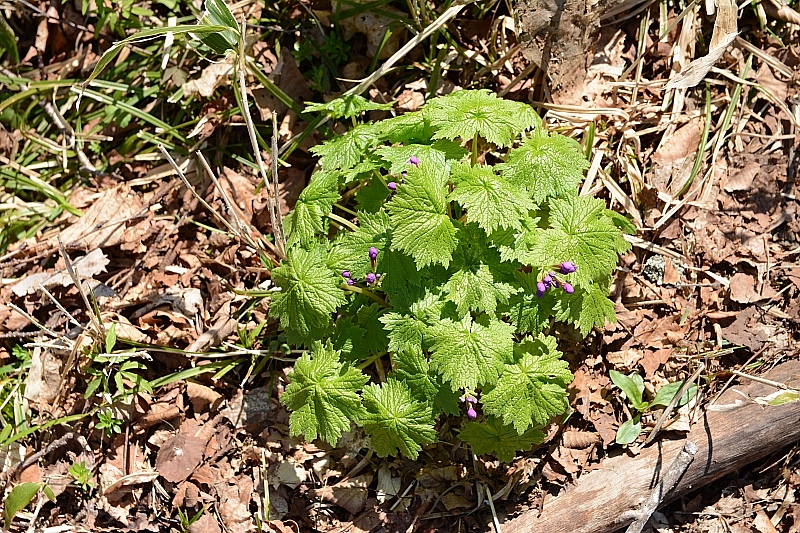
<point>202,397</point>
<point>234,504</point>
<point>179,457</point>
<point>44,377</point>
<point>213,76</point>
<point>104,223</point>
<point>86,267</point>
<point>742,178</point>
<point>205,524</point>
<point>349,494</point>
<point>743,288</point>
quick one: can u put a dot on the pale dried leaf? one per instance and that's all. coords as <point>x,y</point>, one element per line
<point>350,494</point>
<point>213,76</point>
<point>234,505</point>
<point>85,267</point>
<point>104,223</point>
<point>202,396</point>
<point>44,377</point>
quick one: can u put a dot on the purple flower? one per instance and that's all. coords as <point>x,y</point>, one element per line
<point>370,278</point>
<point>548,280</point>
<point>392,186</point>
<point>345,274</point>
<point>568,267</point>
<point>471,413</point>
<point>540,294</point>
<point>414,161</point>
<point>373,253</point>
<point>351,282</point>
<point>541,287</point>
<point>569,289</point>
<point>377,276</point>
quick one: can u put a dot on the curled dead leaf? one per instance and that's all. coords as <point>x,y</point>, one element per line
<point>179,457</point>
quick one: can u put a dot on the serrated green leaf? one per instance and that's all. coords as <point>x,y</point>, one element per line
<point>412,368</point>
<point>515,244</point>
<point>468,353</point>
<point>582,232</point>
<point>477,278</point>
<point>587,307</point>
<point>546,166</point>
<point>629,431</point>
<point>489,199</point>
<point>418,211</point>
<point>350,251</point>
<point>322,395</point>
<point>409,128</point>
<point>527,312</point>
<point>395,421</point>
<point>533,390</point>
<point>436,154</point>
<point>314,203</point>
<point>371,197</point>
<point>374,340</point>
<point>310,292</point>
<point>343,152</point>
<point>346,106</point>
<point>465,114</point>
<point>630,387</point>
<point>19,498</point>
<point>493,437</point>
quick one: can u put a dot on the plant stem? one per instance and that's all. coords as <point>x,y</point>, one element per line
<point>368,294</point>
<point>342,221</point>
<point>474,160</point>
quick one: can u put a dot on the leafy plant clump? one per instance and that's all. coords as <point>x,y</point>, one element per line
<point>447,284</point>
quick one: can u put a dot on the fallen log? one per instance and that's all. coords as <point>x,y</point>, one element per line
<point>727,440</point>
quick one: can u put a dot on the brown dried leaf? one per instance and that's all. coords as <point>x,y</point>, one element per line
<point>85,267</point>
<point>213,76</point>
<point>179,457</point>
<point>205,524</point>
<point>234,504</point>
<point>105,222</point>
<point>350,494</point>
<point>202,397</point>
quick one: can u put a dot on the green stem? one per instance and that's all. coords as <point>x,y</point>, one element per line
<point>475,150</point>
<point>342,221</point>
<point>368,294</point>
<point>346,210</point>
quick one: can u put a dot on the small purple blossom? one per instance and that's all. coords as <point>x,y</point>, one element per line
<point>548,280</point>
<point>471,413</point>
<point>414,161</point>
<point>569,289</point>
<point>468,398</point>
<point>373,253</point>
<point>540,294</point>
<point>541,287</point>
<point>377,276</point>
<point>351,282</point>
<point>370,278</point>
<point>392,186</point>
<point>568,267</point>
<point>346,274</point>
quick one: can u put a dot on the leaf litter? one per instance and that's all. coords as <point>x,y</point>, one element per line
<point>733,292</point>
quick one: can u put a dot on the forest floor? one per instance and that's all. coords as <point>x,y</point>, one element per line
<point>175,424</point>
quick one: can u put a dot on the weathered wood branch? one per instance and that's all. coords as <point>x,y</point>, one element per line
<point>727,440</point>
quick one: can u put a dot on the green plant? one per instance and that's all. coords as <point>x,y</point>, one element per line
<point>21,495</point>
<point>456,271</point>
<point>187,522</point>
<point>633,387</point>
<point>113,373</point>
<point>108,422</point>
<point>82,476</point>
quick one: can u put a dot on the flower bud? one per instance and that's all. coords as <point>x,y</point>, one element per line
<point>569,289</point>
<point>392,186</point>
<point>351,282</point>
<point>345,274</point>
<point>414,161</point>
<point>548,280</point>
<point>471,413</point>
<point>568,267</point>
<point>373,253</point>
<point>541,287</point>
<point>370,278</point>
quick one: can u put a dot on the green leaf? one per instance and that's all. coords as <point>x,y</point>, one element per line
<point>546,166</point>
<point>489,199</point>
<point>476,276</point>
<point>532,391</point>
<point>345,151</point>
<point>526,311</point>
<point>315,202</point>
<point>436,154</point>
<point>374,340</point>
<point>629,430</point>
<point>346,106</point>
<point>582,232</point>
<point>407,331</point>
<point>668,392</point>
<point>8,40</point>
<point>630,387</point>
<point>148,35</point>
<point>395,420</point>
<point>409,128</point>
<point>322,395</point>
<point>350,251</point>
<point>588,307</point>
<point>465,114</point>
<point>310,291</point>
<point>468,353</point>
<point>492,437</point>
<point>218,14</point>
<point>412,368</point>
<point>111,338</point>
<point>418,211</point>
<point>20,496</point>
<point>783,397</point>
